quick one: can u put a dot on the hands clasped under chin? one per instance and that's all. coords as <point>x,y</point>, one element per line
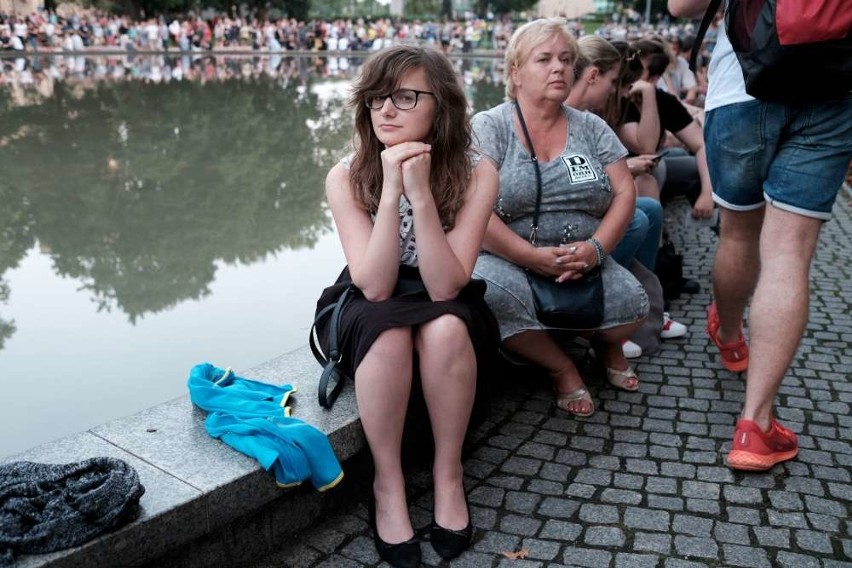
<point>565,262</point>
<point>406,168</point>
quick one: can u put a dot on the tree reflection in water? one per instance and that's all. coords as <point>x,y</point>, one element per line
<point>137,175</point>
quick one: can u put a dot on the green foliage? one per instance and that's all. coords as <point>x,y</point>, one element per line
<point>501,7</point>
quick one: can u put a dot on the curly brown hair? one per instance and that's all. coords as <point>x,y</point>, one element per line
<point>450,136</point>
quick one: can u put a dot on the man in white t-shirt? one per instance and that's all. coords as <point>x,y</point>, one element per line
<point>776,170</point>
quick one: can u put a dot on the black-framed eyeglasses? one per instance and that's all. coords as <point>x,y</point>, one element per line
<point>403,99</point>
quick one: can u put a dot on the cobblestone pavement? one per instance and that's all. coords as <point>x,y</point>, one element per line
<point>643,483</point>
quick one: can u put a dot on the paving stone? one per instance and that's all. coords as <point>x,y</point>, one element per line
<point>487,496</point>
<point>774,537</point>
<point>786,500</point>
<point>627,560</point>
<point>522,525</point>
<point>670,503</point>
<point>703,506</point>
<point>521,502</point>
<point>743,516</point>
<point>794,520</point>
<point>541,549</point>
<point>558,507</point>
<point>660,543</point>
<point>679,563</point>
<point>813,541</point>
<point>560,530</point>
<point>546,487</point>
<point>621,496</point>
<point>554,472</point>
<point>793,560</point>
<point>628,481</point>
<point>496,542</point>
<point>593,513</point>
<point>640,518</point>
<point>825,523</point>
<point>641,466</point>
<point>590,558</point>
<point>521,466</point>
<point>571,457</point>
<point>731,533</point>
<point>538,451</point>
<point>594,477</point>
<point>692,526</point>
<point>696,546</point>
<point>701,490</point>
<point>581,490</point>
<point>661,485</point>
<point>604,536</point>
<point>824,506</point>
<point>737,494</point>
<point>508,482</point>
<point>748,556</point>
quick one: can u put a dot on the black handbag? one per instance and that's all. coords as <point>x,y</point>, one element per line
<point>573,304</point>
<point>329,361</point>
<point>407,284</point>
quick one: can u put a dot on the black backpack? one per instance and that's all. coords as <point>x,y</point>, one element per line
<point>790,51</point>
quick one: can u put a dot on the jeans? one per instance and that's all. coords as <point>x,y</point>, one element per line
<point>641,240</point>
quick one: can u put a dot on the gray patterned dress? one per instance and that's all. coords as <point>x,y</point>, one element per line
<point>576,194</point>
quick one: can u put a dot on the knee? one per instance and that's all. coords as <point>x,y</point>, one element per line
<point>447,334</point>
<point>638,224</point>
<point>395,343</point>
<point>652,209</point>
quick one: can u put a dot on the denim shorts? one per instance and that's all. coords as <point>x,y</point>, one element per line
<point>794,157</point>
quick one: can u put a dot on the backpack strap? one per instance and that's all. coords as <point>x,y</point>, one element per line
<point>702,31</point>
<point>330,361</point>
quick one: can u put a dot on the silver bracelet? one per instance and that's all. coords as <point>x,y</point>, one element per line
<point>598,249</point>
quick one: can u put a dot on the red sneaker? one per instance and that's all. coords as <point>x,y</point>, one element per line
<point>734,354</point>
<point>756,450</point>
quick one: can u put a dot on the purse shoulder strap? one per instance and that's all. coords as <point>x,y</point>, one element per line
<point>331,360</point>
<point>534,226</point>
<point>702,31</point>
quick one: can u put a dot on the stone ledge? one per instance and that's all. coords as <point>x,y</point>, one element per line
<point>195,485</point>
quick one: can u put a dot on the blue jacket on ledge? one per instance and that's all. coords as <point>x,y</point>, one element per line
<point>252,417</point>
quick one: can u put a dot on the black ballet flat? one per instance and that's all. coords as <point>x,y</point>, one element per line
<point>449,543</point>
<point>400,555</point>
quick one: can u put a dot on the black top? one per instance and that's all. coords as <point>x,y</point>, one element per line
<point>673,115</point>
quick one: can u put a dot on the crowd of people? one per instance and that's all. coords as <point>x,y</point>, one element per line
<point>94,31</point>
<point>562,182</point>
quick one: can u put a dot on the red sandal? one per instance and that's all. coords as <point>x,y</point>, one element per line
<point>734,354</point>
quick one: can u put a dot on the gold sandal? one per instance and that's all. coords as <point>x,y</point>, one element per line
<point>564,400</point>
<point>619,379</point>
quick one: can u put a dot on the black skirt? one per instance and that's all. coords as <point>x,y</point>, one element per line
<point>362,321</point>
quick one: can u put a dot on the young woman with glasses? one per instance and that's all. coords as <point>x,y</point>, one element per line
<point>411,205</point>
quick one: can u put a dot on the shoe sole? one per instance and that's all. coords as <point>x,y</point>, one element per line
<point>749,461</point>
<point>736,366</point>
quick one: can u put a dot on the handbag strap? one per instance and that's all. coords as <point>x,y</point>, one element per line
<point>534,225</point>
<point>330,361</point>
<point>702,31</point>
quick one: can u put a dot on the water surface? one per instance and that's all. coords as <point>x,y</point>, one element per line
<point>160,212</point>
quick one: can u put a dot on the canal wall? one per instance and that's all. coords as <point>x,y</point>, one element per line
<point>206,504</point>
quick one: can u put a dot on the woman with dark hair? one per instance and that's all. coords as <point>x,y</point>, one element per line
<point>416,312</point>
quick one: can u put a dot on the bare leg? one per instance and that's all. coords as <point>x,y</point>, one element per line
<point>608,346</point>
<point>736,267</point>
<point>382,389</point>
<point>779,310</point>
<point>448,375</point>
<point>539,348</point>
